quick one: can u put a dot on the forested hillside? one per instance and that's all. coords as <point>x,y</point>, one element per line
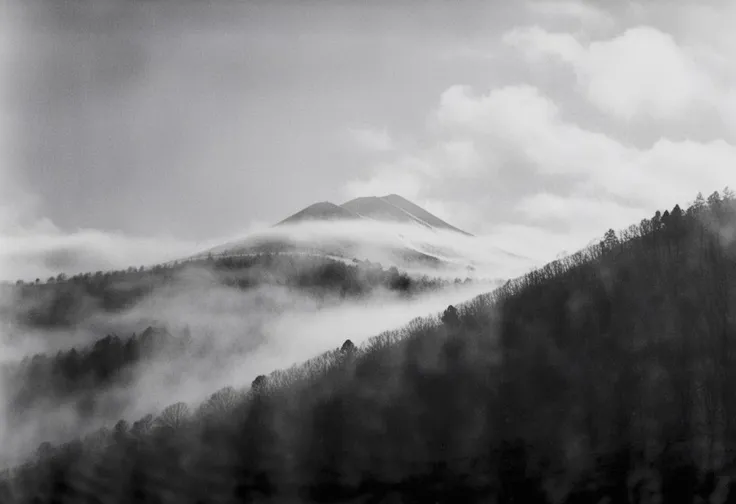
<point>64,301</point>
<point>607,376</point>
<point>78,375</point>
<point>204,320</point>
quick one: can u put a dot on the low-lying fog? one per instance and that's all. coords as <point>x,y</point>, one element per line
<point>380,241</point>
<point>246,333</point>
<point>44,250</point>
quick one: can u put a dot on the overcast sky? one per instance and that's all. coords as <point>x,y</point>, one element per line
<point>134,128</point>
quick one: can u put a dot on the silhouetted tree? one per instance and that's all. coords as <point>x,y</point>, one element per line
<point>258,384</point>
<point>610,241</point>
<point>348,347</point>
<point>173,417</point>
<point>120,432</point>
<point>450,317</point>
<point>714,200</point>
<point>698,205</point>
<point>728,195</point>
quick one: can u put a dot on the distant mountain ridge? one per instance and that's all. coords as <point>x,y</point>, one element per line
<point>387,229</point>
<point>390,208</point>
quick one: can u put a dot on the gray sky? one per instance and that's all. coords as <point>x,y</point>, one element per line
<point>133,128</point>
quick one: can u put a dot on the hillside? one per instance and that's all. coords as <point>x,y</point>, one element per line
<point>63,302</point>
<point>602,377</point>
<point>76,353</point>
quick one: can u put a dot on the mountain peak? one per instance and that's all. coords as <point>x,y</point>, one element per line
<point>394,197</point>
<point>389,208</point>
<point>396,208</point>
<point>323,210</point>
<point>421,213</point>
<point>376,243</point>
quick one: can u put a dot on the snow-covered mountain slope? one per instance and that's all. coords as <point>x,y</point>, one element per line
<point>390,230</point>
<point>319,211</point>
<point>420,213</point>
<point>394,208</point>
<point>372,207</point>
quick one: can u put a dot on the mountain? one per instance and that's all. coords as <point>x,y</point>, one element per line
<point>387,229</point>
<point>392,208</point>
<point>323,210</point>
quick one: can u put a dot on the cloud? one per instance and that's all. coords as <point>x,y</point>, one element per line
<point>516,136</point>
<point>538,243</point>
<point>414,174</point>
<point>524,125</point>
<point>587,15</point>
<point>405,178</point>
<point>641,73</point>
<point>536,43</point>
<point>530,129</point>
<point>46,251</point>
<point>459,157</point>
<point>502,112</point>
<point>36,248</point>
<point>586,215</point>
<point>272,340</point>
<point>371,139</point>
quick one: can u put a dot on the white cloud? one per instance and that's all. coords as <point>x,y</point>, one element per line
<point>460,156</point>
<point>401,179</point>
<point>371,139</point>
<point>588,16</point>
<point>524,123</point>
<point>584,215</point>
<point>503,111</point>
<point>539,244</point>
<point>527,126</point>
<point>675,171</point>
<point>537,43</point>
<point>642,72</point>
<point>661,72</point>
<point>520,126</point>
<point>411,174</point>
<point>44,251</point>
<point>480,137</point>
<point>36,248</point>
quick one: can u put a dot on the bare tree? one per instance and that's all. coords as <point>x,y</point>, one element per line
<point>221,402</point>
<point>173,417</point>
<point>142,426</point>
